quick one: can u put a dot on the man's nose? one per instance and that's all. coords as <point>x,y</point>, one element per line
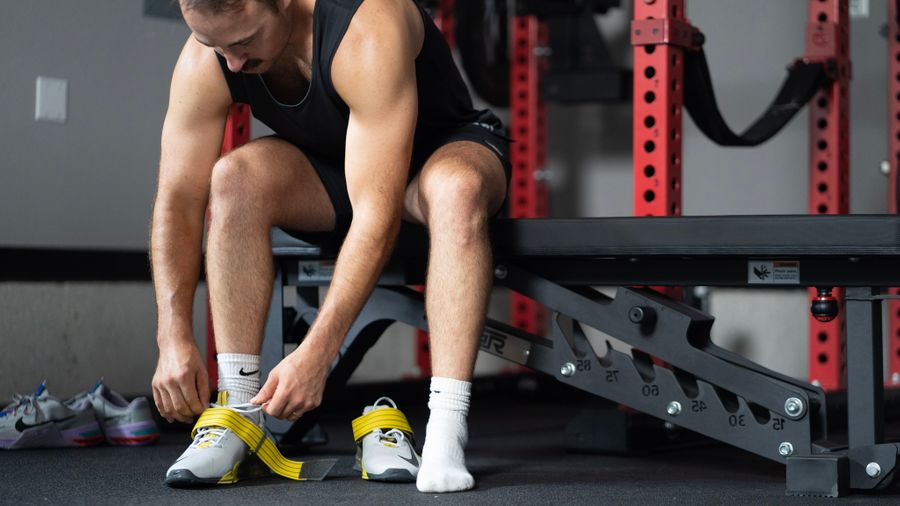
<point>236,63</point>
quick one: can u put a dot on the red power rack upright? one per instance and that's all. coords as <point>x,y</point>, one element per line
<point>658,102</point>
<point>828,39</point>
<point>528,129</point>
<point>893,157</point>
<point>237,133</point>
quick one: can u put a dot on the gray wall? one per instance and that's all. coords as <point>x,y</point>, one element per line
<point>89,183</point>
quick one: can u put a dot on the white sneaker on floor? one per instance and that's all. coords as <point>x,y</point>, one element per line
<point>385,450</point>
<point>215,455</point>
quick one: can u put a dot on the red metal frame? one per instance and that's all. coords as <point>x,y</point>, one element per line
<point>237,133</point>
<point>527,194</point>
<point>658,102</point>
<point>828,39</point>
<point>893,157</point>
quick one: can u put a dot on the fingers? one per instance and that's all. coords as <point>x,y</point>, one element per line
<point>192,397</point>
<point>180,406</point>
<point>162,404</point>
<point>277,405</point>
<point>266,392</point>
<point>203,386</point>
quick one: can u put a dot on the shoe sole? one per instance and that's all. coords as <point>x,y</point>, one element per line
<point>252,467</point>
<point>391,476</point>
<point>133,434</point>
<point>51,436</point>
<point>182,478</point>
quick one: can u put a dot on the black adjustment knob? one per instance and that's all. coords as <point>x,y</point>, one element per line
<point>824,307</point>
<point>644,318</point>
<point>636,314</point>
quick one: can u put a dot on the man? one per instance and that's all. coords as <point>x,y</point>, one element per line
<point>373,125</point>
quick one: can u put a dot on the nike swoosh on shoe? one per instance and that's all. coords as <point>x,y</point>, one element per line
<point>411,459</point>
<point>21,426</point>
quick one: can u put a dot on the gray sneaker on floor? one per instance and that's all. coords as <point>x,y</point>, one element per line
<point>124,423</point>
<point>43,421</point>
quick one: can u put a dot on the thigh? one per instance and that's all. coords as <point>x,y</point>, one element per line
<point>466,158</point>
<point>287,182</point>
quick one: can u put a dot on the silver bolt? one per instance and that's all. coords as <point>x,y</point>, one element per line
<point>701,292</point>
<point>669,426</point>
<point>674,408</point>
<point>543,175</point>
<point>895,378</point>
<point>793,407</point>
<point>500,272</point>
<point>816,383</point>
<point>567,369</point>
<point>885,167</point>
<point>785,449</point>
<point>873,469</point>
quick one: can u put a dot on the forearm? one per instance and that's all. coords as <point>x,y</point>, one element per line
<point>366,250</point>
<point>175,239</point>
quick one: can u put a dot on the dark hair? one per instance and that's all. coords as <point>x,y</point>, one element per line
<point>220,6</point>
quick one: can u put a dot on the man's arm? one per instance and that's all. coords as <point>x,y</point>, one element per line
<point>191,142</point>
<point>374,72</point>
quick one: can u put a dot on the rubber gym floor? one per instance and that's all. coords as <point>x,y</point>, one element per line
<point>516,453</point>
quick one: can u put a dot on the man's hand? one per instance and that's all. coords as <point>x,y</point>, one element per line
<point>180,384</point>
<point>295,386</point>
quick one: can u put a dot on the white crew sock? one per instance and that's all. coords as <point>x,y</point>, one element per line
<point>443,457</point>
<point>239,376</point>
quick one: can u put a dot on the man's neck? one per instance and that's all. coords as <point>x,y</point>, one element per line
<point>300,15</point>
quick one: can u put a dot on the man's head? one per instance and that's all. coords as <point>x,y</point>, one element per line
<point>250,34</point>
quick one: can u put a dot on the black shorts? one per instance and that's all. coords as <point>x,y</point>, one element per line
<point>487,130</point>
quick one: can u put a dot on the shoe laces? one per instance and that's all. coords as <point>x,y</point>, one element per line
<point>27,403</point>
<point>388,400</point>
<point>393,437</point>
<point>211,436</point>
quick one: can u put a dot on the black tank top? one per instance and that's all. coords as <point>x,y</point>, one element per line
<point>318,124</point>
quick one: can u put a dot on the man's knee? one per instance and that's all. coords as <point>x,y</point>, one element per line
<point>457,202</point>
<point>459,191</point>
<point>229,177</point>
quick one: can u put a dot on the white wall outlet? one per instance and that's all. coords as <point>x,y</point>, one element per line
<point>50,99</point>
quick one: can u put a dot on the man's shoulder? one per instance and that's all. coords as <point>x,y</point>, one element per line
<point>197,61</point>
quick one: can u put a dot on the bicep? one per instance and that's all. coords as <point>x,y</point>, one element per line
<point>378,82</point>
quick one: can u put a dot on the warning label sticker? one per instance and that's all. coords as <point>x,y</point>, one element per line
<point>773,272</point>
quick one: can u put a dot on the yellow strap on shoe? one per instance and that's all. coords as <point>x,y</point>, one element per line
<point>254,437</point>
<point>382,418</point>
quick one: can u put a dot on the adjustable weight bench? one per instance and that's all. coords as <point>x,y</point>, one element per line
<point>706,389</point>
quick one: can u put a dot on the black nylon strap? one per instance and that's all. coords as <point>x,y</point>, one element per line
<point>801,84</point>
